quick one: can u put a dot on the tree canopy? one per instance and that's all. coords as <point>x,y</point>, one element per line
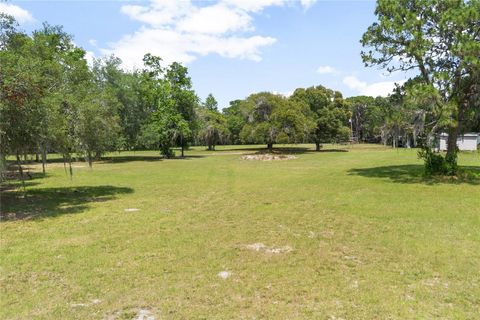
<point>441,40</point>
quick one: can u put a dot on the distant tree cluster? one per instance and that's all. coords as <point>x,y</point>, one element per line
<point>52,100</point>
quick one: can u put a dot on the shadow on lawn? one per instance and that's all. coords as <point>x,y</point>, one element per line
<point>13,180</point>
<point>122,159</point>
<point>415,174</point>
<point>52,202</point>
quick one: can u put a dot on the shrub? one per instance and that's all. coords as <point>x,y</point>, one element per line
<point>436,164</point>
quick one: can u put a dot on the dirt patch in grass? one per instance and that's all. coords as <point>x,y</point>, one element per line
<point>132,314</point>
<point>263,248</point>
<point>268,157</point>
<point>86,304</point>
<point>224,274</point>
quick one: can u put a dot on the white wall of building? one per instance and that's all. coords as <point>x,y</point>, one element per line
<point>467,142</point>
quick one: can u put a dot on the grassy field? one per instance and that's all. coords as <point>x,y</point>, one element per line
<point>353,233</point>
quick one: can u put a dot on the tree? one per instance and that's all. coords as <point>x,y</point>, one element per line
<point>235,121</point>
<point>20,90</point>
<point>361,108</point>
<point>211,103</point>
<point>440,39</point>
<point>172,116</point>
<point>213,125</point>
<point>98,123</point>
<point>273,119</point>
<point>131,90</point>
<point>184,101</point>
<point>327,109</point>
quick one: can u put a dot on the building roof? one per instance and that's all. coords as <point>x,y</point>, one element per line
<point>470,134</point>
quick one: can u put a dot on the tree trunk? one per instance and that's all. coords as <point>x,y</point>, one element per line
<point>65,163</point>
<point>452,141</point>
<point>98,155</point>
<point>210,147</point>
<point>44,158</point>
<point>20,170</point>
<point>454,132</point>
<point>70,166</point>
<point>89,159</point>
<point>318,146</point>
<point>181,143</point>
<point>270,146</point>
<point>3,166</point>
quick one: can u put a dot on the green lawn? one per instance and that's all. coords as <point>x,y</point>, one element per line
<point>354,233</point>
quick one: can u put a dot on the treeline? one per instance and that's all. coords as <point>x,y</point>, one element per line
<point>52,100</point>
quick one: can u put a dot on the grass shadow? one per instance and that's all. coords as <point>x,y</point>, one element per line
<point>122,159</point>
<point>13,179</point>
<point>412,173</point>
<point>331,150</point>
<point>51,202</point>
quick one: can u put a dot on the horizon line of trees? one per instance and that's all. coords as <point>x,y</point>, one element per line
<point>52,100</point>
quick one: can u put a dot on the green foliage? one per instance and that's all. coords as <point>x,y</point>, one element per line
<point>327,111</point>
<point>434,162</point>
<point>367,118</point>
<point>269,117</point>
<point>173,111</point>
<point>235,121</point>
<point>213,127</point>
<point>132,90</point>
<point>440,39</point>
<point>437,164</point>
<point>211,103</point>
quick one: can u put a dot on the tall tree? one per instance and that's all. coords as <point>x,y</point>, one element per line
<point>184,100</point>
<point>327,109</point>
<point>440,39</point>
<point>211,103</point>
<point>212,124</point>
<point>132,94</point>
<point>235,121</point>
<point>20,91</point>
<point>172,116</point>
<point>273,119</point>
<point>361,108</point>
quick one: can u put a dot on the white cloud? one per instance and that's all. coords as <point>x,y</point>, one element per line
<point>172,46</point>
<point>326,70</point>
<point>215,19</point>
<point>159,12</point>
<point>254,5</point>
<point>89,56</point>
<point>286,94</point>
<point>20,14</point>
<point>383,88</point>
<point>182,31</point>
<point>307,3</point>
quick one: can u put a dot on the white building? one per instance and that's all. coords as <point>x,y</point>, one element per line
<point>465,142</point>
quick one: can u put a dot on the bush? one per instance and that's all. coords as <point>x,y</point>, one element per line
<point>167,151</point>
<point>436,164</point>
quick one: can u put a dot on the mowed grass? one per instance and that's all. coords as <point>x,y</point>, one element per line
<point>370,238</point>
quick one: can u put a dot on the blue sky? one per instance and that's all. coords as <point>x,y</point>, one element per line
<point>231,47</point>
